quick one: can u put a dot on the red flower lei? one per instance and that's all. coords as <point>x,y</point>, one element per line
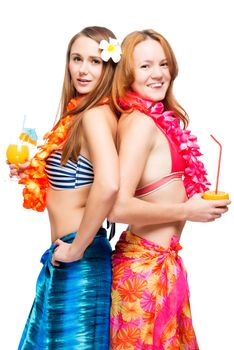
<point>36,182</point>
<point>195,180</point>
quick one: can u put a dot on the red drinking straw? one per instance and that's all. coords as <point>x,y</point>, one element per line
<point>220,154</point>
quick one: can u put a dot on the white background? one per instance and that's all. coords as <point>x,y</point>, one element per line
<point>33,39</point>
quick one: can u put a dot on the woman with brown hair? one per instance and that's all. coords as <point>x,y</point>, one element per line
<point>75,176</point>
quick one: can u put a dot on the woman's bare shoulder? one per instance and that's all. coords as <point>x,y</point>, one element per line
<point>136,120</point>
<point>103,112</point>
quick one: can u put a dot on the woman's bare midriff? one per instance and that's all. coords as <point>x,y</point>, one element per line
<point>66,209</point>
<point>161,234</point>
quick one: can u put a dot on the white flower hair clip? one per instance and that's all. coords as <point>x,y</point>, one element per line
<point>110,49</point>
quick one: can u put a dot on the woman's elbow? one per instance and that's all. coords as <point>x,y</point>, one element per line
<point>112,189</point>
<point>109,188</point>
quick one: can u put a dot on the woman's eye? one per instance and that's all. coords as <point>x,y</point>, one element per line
<point>145,66</point>
<point>164,64</point>
<point>94,61</point>
<point>77,59</point>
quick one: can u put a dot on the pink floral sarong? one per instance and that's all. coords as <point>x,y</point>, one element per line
<point>150,297</point>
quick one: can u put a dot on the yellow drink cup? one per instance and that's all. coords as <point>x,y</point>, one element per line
<point>215,195</point>
<point>17,154</point>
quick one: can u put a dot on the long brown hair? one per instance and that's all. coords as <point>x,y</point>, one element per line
<point>72,145</point>
<point>124,73</point>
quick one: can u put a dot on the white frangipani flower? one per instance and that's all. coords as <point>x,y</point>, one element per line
<point>110,49</point>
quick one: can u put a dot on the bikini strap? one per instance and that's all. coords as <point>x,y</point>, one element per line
<point>110,225</point>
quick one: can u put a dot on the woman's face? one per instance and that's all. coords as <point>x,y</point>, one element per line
<point>85,64</point>
<point>151,72</point>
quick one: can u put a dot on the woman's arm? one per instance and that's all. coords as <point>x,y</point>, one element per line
<point>135,136</point>
<point>98,133</point>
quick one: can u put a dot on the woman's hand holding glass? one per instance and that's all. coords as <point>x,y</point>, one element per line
<point>17,170</point>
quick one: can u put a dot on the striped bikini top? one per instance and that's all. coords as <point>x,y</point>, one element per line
<point>71,175</point>
<point>177,168</point>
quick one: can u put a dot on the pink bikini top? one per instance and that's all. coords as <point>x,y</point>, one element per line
<point>183,146</point>
<point>178,166</point>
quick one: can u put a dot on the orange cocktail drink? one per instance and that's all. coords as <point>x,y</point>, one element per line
<point>215,195</point>
<point>17,153</point>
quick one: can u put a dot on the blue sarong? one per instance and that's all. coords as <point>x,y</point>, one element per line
<point>72,303</point>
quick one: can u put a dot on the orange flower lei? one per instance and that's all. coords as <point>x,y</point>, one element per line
<point>36,182</point>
